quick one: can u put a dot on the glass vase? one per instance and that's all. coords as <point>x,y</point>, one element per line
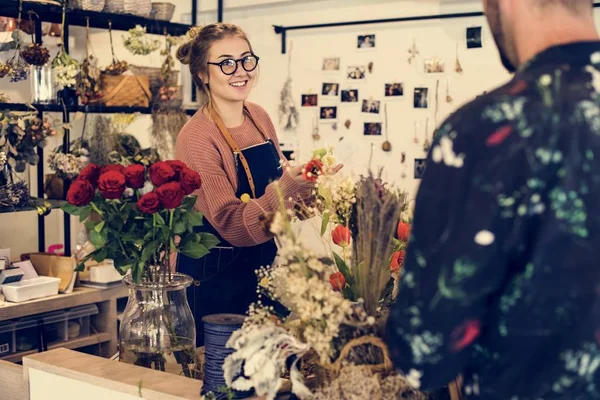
<point>158,329</point>
<point>42,86</point>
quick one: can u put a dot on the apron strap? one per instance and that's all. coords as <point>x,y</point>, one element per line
<point>234,146</point>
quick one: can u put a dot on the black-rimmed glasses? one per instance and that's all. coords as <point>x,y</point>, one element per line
<point>230,65</point>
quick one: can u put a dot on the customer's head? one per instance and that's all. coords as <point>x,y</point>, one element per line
<point>509,19</point>
<point>221,61</point>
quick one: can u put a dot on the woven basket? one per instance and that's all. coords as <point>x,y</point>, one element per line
<point>125,90</point>
<point>162,11</point>
<point>154,75</point>
<point>135,7</point>
<point>88,5</point>
<point>326,373</point>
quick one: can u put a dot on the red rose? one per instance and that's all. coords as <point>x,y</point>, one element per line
<point>338,281</point>
<point>149,203</point>
<point>170,195</point>
<point>397,261</point>
<point>81,193</point>
<point>135,175</point>
<point>112,167</point>
<point>177,166</point>
<point>312,170</point>
<point>341,236</point>
<point>465,334</point>
<point>90,173</point>
<point>111,184</point>
<point>189,180</point>
<point>161,173</point>
<point>403,231</point>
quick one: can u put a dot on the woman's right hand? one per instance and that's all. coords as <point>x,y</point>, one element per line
<point>296,174</point>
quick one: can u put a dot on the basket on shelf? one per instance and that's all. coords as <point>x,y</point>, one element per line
<point>141,8</point>
<point>125,90</point>
<point>88,5</point>
<point>162,11</point>
<point>154,75</point>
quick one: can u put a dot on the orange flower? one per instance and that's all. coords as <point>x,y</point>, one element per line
<point>397,261</point>
<point>341,236</point>
<point>338,281</point>
<point>312,170</point>
<point>403,231</point>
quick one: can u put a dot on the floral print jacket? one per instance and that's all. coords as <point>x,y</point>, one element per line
<point>501,282</point>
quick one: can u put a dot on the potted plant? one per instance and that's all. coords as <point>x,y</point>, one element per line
<point>142,216</point>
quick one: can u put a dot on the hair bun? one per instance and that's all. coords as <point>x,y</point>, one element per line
<point>194,32</point>
<point>184,53</point>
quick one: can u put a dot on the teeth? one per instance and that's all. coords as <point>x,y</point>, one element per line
<point>238,84</point>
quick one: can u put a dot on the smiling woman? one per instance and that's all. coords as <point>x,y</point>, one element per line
<point>232,144</point>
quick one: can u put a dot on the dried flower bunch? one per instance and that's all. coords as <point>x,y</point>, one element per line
<point>14,196</point>
<point>116,68</point>
<point>18,70</point>
<point>138,43</point>
<point>35,54</point>
<point>4,97</point>
<point>88,85</point>
<point>66,69</point>
<point>66,166</point>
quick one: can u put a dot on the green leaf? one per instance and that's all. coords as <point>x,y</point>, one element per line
<point>101,255</point>
<point>138,272</point>
<point>339,262</point>
<point>160,221</point>
<point>71,209</point>
<point>188,202</point>
<point>80,267</point>
<point>149,251</point>
<point>97,239</point>
<point>208,240</point>
<point>90,225</point>
<point>349,294</point>
<point>99,227</point>
<point>85,213</point>
<point>324,222</point>
<point>194,250</point>
<point>194,218</point>
<point>179,227</point>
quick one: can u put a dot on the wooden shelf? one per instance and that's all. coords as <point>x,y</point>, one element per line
<point>79,297</point>
<point>76,17</point>
<point>97,338</point>
<point>85,109</point>
<point>34,203</point>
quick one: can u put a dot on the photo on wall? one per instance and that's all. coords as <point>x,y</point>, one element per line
<point>421,97</point>
<point>356,73</point>
<point>420,164</point>
<point>350,96</point>
<point>372,129</point>
<point>310,100</point>
<point>434,66</point>
<point>330,89</point>
<point>328,113</point>
<point>371,106</point>
<point>474,38</point>
<point>394,89</point>
<point>331,64</point>
<point>365,41</point>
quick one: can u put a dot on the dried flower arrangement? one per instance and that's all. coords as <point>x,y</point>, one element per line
<point>66,166</point>
<point>65,69</point>
<point>117,67</point>
<point>138,43</point>
<point>35,54</point>
<point>14,196</point>
<point>166,125</point>
<point>88,85</point>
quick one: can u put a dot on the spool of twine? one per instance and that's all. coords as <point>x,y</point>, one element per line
<point>218,329</point>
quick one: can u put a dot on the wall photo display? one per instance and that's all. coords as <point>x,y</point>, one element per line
<point>394,89</point>
<point>328,113</point>
<point>350,96</point>
<point>420,165</point>
<point>331,64</point>
<point>372,129</point>
<point>310,100</point>
<point>371,106</point>
<point>356,73</point>
<point>474,38</point>
<point>330,89</point>
<point>421,97</point>
<point>365,42</point>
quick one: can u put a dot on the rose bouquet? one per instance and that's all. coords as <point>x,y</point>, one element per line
<point>141,216</point>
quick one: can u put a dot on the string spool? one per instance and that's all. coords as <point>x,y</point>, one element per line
<point>218,328</point>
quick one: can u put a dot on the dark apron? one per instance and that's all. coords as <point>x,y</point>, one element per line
<point>225,279</point>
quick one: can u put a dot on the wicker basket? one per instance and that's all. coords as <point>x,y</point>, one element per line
<point>125,90</point>
<point>162,11</point>
<point>88,5</point>
<point>326,373</point>
<point>154,75</point>
<point>141,8</point>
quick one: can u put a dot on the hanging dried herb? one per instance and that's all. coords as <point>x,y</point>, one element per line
<point>117,67</point>
<point>166,125</point>
<point>35,54</point>
<point>138,42</point>
<point>288,112</point>
<point>88,86</point>
<point>102,139</point>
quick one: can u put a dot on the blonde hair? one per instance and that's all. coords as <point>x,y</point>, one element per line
<point>195,51</point>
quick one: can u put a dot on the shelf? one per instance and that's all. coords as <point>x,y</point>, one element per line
<point>34,203</point>
<point>79,297</point>
<point>122,22</point>
<point>89,109</point>
<point>97,338</point>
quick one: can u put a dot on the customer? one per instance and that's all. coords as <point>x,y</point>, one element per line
<point>501,282</point>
